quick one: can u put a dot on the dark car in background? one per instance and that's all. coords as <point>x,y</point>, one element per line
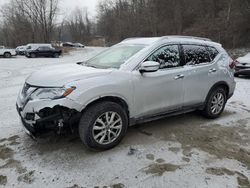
<point>43,51</point>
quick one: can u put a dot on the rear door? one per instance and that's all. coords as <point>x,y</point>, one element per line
<point>47,51</point>
<point>41,51</point>
<point>201,73</point>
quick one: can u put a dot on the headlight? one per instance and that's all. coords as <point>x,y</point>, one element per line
<point>52,93</point>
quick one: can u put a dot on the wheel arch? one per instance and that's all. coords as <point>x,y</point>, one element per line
<point>221,84</point>
<point>119,100</point>
<point>7,52</point>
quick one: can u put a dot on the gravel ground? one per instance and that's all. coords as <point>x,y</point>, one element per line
<point>181,151</point>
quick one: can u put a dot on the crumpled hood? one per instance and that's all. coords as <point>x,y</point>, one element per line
<point>58,76</point>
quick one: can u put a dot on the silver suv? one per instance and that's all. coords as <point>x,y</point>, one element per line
<point>135,81</point>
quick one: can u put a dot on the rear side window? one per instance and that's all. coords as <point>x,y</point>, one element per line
<point>44,48</point>
<point>212,52</point>
<point>195,54</point>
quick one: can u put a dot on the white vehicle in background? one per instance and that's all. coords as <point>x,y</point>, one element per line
<point>73,45</point>
<point>78,45</point>
<point>7,52</point>
<point>20,50</point>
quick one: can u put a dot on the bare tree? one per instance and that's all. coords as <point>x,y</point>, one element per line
<point>79,26</point>
<point>29,21</point>
<point>226,21</point>
<point>42,15</point>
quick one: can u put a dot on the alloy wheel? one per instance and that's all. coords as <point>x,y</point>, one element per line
<point>217,103</point>
<point>107,128</point>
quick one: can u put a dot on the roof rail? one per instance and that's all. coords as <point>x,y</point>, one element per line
<point>187,37</point>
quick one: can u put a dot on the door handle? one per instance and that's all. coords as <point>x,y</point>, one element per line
<point>178,77</point>
<point>212,70</point>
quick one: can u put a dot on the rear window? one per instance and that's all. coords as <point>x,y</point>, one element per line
<point>212,52</point>
<point>195,54</point>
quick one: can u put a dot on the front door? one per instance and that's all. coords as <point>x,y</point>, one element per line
<point>161,91</point>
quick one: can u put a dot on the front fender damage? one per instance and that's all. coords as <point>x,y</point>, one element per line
<point>55,119</point>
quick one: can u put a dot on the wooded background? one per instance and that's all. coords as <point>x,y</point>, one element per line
<point>224,21</point>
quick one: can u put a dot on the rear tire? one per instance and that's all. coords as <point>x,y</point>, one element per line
<point>215,104</point>
<point>7,55</point>
<point>103,125</point>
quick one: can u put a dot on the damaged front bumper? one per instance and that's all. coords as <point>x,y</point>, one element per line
<point>40,117</point>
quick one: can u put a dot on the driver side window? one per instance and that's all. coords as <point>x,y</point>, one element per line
<point>167,56</point>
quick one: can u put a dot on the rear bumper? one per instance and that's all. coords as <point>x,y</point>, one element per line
<point>20,52</point>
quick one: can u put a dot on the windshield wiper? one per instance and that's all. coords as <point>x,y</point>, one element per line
<point>81,63</point>
<point>89,65</point>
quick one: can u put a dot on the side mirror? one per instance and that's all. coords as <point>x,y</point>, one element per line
<point>149,66</point>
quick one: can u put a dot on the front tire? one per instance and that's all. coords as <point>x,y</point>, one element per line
<point>7,55</point>
<point>32,55</point>
<point>215,103</point>
<point>103,125</point>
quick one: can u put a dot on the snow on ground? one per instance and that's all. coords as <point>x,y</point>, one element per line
<point>181,151</point>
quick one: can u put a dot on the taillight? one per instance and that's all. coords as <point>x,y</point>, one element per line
<point>232,64</point>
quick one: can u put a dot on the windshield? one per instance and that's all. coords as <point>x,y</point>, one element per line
<point>114,57</point>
